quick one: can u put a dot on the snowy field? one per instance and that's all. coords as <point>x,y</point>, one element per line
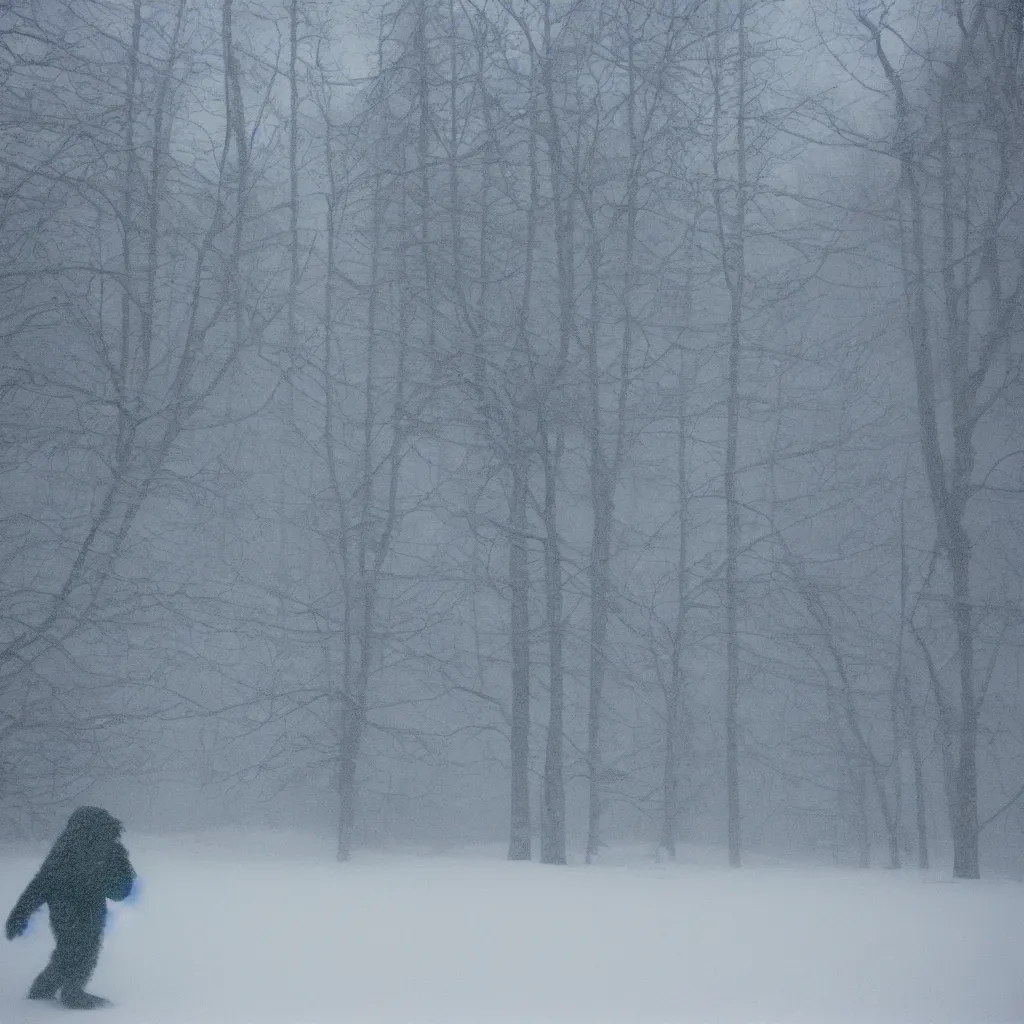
<point>271,930</point>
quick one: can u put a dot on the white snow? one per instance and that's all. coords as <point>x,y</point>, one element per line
<point>271,930</point>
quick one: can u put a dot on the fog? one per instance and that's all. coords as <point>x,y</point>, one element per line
<point>551,425</point>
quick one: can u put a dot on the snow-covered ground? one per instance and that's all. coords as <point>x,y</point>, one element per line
<point>272,930</point>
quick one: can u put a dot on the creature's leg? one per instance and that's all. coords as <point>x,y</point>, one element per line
<point>46,985</point>
<point>80,956</point>
<point>51,978</point>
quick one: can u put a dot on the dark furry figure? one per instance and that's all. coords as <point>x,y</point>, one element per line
<point>87,866</point>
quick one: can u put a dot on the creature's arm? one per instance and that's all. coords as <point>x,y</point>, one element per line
<point>120,874</point>
<point>34,896</point>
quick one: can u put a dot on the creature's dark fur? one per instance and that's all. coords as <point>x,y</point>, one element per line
<point>87,866</point>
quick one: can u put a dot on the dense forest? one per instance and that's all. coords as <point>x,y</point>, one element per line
<point>562,422</point>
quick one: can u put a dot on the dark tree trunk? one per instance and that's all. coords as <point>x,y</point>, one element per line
<point>519,847</point>
<point>674,691</point>
<point>599,582</point>
<point>347,761</point>
<point>552,841</point>
<point>966,862</point>
<point>920,803</point>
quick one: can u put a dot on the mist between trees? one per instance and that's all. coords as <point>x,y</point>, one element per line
<point>557,422</point>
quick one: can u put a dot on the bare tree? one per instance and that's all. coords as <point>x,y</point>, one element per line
<point>959,349</point>
<point>731,230</point>
<point>650,41</point>
<point>142,260</point>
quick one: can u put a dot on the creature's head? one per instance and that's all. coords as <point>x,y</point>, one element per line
<point>94,822</point>
<point>80,853</point>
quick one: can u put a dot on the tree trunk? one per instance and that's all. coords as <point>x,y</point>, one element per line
<point>425,129</point>
<point>348,760</point>
<point>599,584</point>
<point>674,691</point>
<point>519,847</point>
<point>343,691</point>
<point>601,487</point>
<point>551,437</point>
<point>552,840</point>
<point>520,826</point>
<point>353,727</point>
<point>964,817</point>
<point>920,806</point>
<point>378,514</point>
<point>949,479</point>
<point>732,243</point>
<point>863,820</point>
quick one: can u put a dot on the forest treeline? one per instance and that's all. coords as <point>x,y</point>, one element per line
<point>564,421</point>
